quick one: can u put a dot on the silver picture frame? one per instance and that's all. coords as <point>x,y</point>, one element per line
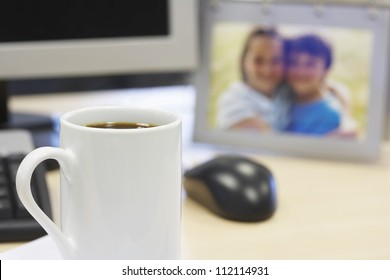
<point>301,17</point>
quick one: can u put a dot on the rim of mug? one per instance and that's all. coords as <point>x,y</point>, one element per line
<point>64,120</point>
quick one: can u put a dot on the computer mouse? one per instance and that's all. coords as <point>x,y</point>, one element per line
<point>234,187</point>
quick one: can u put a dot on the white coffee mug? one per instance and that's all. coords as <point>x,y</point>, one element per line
<point>120,188</point>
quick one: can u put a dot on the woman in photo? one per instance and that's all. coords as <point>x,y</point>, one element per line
<point>253,103</point>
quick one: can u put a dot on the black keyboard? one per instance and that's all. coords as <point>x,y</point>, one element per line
<point>16,224</point>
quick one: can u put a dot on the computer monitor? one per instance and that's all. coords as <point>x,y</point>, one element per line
<point>73,38</point>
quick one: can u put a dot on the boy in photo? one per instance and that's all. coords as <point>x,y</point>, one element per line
<point>309,60</point>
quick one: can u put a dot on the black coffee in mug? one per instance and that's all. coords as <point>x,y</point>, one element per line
<point>120,125</point>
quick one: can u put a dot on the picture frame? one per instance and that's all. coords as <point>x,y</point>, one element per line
<point>360,47</point>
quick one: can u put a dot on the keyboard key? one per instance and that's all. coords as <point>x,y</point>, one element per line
<point>3,174</point>
<point>20,211</point>
<point>2,168</point>
<point>5,208</point>
<point>3,179</point>
<point>4,191</point>
<point>13,169</point>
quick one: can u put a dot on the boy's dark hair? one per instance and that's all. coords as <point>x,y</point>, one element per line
<point>256,32</point>
<point>313,45</point>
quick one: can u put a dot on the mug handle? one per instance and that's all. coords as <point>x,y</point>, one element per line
<point>23,187</point>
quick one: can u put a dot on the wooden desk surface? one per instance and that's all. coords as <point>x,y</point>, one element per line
<point>326,209</point>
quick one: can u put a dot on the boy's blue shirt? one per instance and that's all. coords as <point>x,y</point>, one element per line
<point>316,118</point>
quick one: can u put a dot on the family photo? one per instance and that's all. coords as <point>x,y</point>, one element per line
<point>302,80</point>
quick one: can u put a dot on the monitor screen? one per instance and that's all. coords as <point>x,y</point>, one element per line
<point>44,39</point>
<point>46,20</point>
